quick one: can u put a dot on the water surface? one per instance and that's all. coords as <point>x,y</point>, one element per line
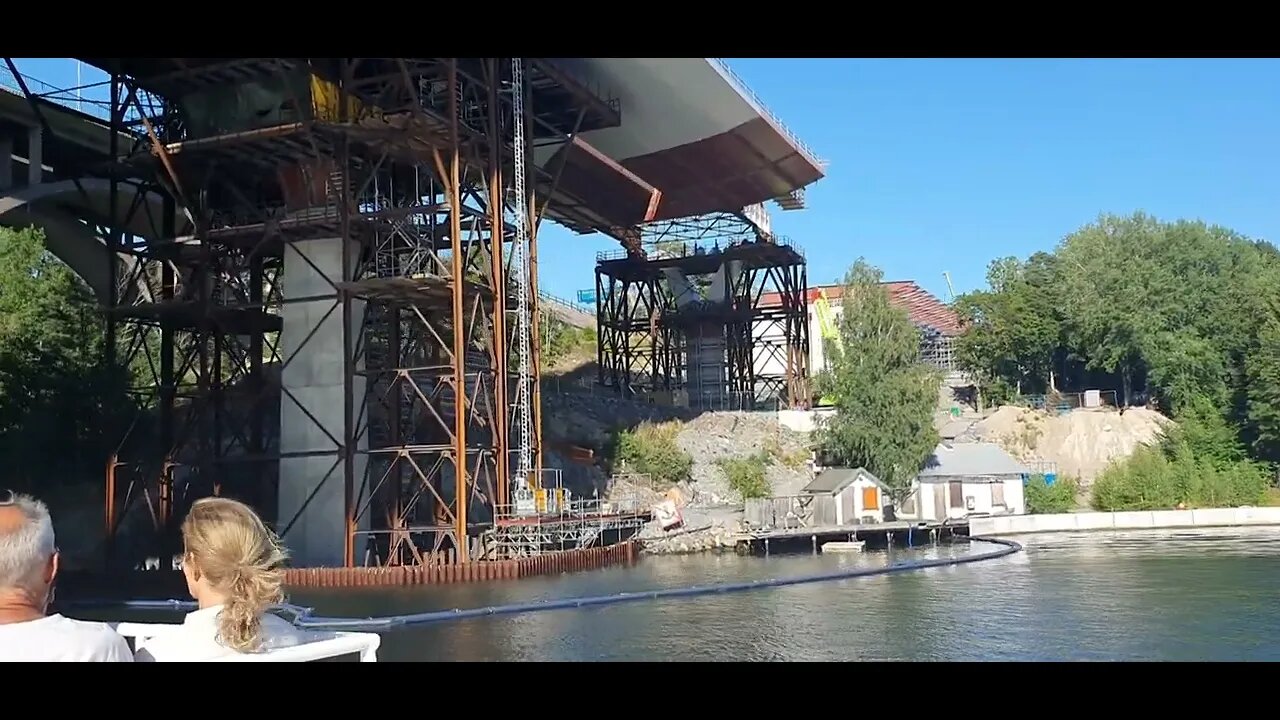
<point>1145,595</point>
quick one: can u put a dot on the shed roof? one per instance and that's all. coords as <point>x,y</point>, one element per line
<point>833,480</point>
<point>955,428</point>
<point>970,459</point>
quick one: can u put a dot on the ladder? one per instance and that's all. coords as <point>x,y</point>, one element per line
<point>521,270</point>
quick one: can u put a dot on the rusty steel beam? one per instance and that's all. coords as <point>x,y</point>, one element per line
<point>348,344</point>
<point>454,185</point>
<point>497,233</point>
<point>535,347</point>
<point>212,381</point>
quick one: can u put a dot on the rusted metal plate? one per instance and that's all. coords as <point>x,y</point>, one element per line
<point>611,190</point>
<point>751,163</point>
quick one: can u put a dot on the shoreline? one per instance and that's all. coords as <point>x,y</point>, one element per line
<point>1125,520</point>
<point>718,538</point>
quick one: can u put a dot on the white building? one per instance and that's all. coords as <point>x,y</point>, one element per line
<point>936,320</point>
<point>963,479</point>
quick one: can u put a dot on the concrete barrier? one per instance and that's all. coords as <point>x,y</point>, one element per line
<point>1065,522</point>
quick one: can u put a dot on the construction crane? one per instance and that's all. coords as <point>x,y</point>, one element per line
<point>827,327</point>
<point>951,291</point>
<point>525,471</point>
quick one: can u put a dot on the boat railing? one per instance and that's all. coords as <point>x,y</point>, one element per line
<point>334,644</point>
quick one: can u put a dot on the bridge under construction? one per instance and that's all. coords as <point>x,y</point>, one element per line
<point>350,245</point>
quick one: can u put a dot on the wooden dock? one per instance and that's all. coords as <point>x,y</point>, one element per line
<point>876,536</point>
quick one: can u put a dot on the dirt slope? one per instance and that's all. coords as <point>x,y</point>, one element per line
<point>1082,442</point>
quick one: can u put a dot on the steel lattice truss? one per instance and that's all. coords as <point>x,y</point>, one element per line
<point>757,330</point>
<point>410,163</point>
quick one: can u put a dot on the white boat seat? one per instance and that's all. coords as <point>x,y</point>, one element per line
<point>332,645</point>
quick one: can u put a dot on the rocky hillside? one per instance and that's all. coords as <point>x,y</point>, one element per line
<point>578,415</point>
<point>712,437</point>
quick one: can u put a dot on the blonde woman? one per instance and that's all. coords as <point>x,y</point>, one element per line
<point>233,566</point>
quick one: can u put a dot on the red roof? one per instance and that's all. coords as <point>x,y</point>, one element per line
<point>922,306</point>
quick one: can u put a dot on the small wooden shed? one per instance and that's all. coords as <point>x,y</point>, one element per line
<point>856,495</point>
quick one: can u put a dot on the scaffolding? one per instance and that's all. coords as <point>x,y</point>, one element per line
<point>398,351</point>
<point>562,523</point>
<point>937,350</point>
<point>682,321</point>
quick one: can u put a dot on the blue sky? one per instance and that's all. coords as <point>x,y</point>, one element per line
<point>942,165</point>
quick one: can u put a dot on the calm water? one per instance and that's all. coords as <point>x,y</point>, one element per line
<point>1202,595</point>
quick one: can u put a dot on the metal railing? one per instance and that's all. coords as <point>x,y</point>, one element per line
<point>64,97</point>
<point>1065,402</point>
<point>640,399</point>
<point>570,304</point>
<point>746,90</point>
<point>687,248</point>
<point>67,97</point>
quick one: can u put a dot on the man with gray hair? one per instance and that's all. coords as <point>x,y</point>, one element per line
<point>28,565</point>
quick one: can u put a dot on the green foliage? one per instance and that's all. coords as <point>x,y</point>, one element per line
<point>1043,498</point>
<point>1262,401</point>
<point>1015,328</point>
<point>1193,308</point>
<point>62,410</point>
<point>561,340</point>
<point>1203,433</point>
<point>651,449</point>
<point>884,397</point>
<point>1151,479</point>
<point>747,474</point>
<point>1201,463</point>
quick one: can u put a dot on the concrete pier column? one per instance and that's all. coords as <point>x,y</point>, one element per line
<point>6,163</point>
<point>312,487</point>
<point>35,155</point>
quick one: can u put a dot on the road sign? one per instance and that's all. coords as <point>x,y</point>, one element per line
<point>587,297</point>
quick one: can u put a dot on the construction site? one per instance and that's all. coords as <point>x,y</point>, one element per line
<point>328,268</point>
<point>681,322</point>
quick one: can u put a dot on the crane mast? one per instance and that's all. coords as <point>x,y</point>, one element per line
<point>520,268</point>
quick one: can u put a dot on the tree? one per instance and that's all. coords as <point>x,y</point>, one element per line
<point>884,396</point>
<point>1014,330</point>
<point>1263,393</point>
<point>1189,312</point>
<point>560,339</point>
<point>61,407</point>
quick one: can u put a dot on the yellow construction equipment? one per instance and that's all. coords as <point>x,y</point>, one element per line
<point>827,328</point>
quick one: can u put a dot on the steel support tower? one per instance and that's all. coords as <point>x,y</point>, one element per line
<point>709,314</point>
<point>343,244</point>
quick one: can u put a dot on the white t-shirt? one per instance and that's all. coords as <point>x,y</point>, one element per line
<point>196,639</point>
<point>55,638</point>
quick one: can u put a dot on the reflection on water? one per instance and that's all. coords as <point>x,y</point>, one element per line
<point>1144,595</point>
